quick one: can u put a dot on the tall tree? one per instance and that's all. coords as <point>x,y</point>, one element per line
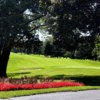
<point>74,21</point>
<point>96,50</point>
<point>16,17</point>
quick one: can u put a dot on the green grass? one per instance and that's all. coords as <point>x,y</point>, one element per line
<point>5,95</point>
<point>31,65</point>
<point>86,71</point>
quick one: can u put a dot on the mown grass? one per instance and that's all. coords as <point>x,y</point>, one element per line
<point>31,65</point>
<point>86,71</point>
<point>6,94</point>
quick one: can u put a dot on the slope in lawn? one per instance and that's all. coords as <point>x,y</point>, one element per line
<point>23,64</point>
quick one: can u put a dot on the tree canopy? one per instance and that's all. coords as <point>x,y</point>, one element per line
<point>18,22</point>
<point>74,24</point>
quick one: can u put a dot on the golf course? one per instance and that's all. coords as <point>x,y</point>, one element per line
<point>49,46</point>
<point>22,64</point>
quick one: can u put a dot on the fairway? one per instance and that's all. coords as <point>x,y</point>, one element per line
<point>31,65</point>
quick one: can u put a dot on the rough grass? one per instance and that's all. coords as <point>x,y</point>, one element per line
<point>31,65</point>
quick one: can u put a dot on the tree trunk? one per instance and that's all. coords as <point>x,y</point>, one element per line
<point>4,57</point>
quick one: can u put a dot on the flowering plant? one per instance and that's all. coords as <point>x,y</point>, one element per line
<point>10,86</point>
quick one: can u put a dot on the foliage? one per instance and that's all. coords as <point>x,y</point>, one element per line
<point>74,25</point>
<point>18,21</point>
<point>96,50</point>
<point>48,49</point>
<point>69,54</point>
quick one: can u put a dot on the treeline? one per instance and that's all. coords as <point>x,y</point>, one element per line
<point>48,48</point>
<point>75,27</point>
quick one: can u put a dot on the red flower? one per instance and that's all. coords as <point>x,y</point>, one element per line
<point>8,86</point>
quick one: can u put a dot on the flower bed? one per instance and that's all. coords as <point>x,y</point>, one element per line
<point>10,86</point>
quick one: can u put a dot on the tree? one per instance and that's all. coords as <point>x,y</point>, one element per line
<point>96,50</point>
<point>16,17</point>
<point>48,49</point>
<point>74,21</point>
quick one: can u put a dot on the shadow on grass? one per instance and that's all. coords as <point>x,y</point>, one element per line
<point>18,74</point>
<point>87,80</point>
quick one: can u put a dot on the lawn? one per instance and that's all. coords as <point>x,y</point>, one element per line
<point>6,94</point>
<point>86,71</point>
<point>31,65</point>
